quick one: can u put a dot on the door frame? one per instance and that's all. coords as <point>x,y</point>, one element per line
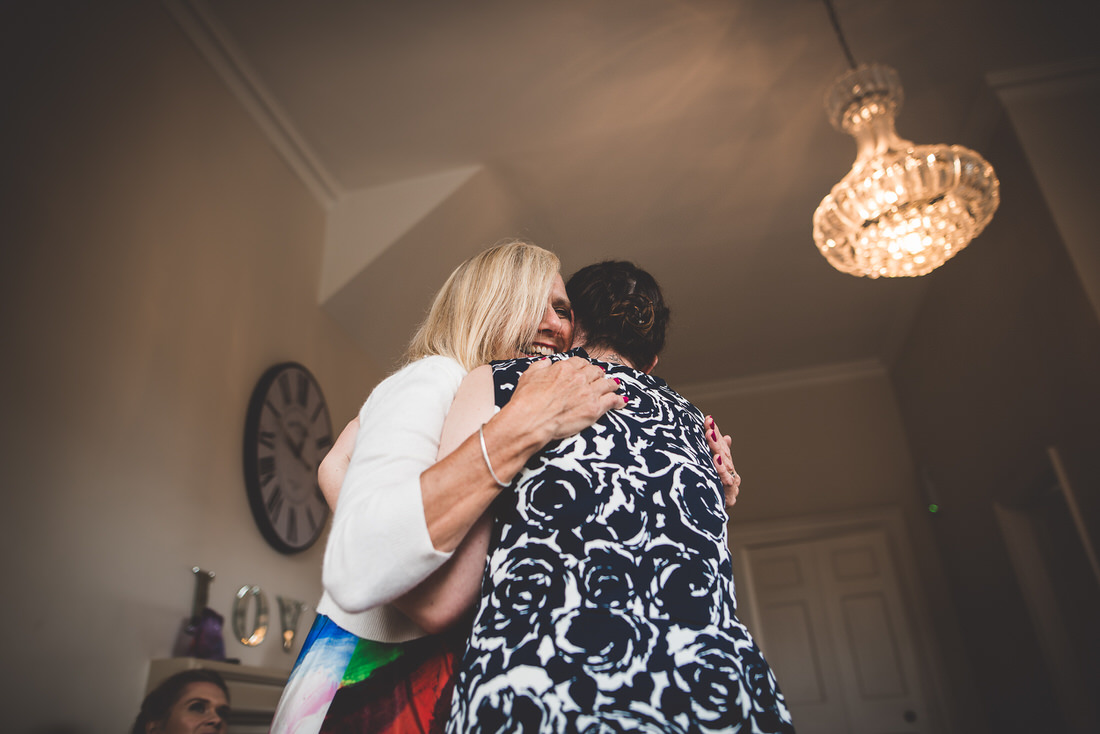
<point>890,520</point>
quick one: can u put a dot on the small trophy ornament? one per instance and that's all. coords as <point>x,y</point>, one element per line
<point>200,636</point>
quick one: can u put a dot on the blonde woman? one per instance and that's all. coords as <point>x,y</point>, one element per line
<point>365,665</point>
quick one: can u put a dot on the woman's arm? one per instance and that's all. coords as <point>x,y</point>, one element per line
<point>333,468</point>
<point>551,401</point>
<point>378,546</point>
<point>399,517</point>
<point>444,597</point>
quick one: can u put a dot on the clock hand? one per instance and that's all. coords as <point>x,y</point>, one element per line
<point>297,451</point>
<point>301,445</point>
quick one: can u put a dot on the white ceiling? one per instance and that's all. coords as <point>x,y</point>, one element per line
<point>686,135</point>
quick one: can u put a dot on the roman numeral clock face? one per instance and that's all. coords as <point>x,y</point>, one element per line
<point>287,433</point>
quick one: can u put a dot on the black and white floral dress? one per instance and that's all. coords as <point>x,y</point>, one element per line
<point>608,602</point>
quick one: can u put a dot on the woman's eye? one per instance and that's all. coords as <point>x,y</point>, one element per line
<point>564,313</point>
<point>198,707</point>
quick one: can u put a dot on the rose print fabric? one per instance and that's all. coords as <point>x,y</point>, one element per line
<point>608,601</point>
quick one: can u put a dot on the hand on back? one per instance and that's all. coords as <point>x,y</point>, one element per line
<point>566,396</point>
<point>723,460</point>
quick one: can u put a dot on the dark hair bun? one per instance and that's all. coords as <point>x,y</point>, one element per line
<point>636,312</point>
<point>620,306</point>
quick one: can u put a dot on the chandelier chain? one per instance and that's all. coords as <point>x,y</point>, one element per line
<point>839,33</point>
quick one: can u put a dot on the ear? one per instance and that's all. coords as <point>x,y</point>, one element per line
<point>152,727</point>
<point>652,364</point>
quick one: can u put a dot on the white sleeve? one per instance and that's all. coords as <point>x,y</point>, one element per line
<point>379,547</point>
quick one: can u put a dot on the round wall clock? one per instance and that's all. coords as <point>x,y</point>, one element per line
<point>287,432</point>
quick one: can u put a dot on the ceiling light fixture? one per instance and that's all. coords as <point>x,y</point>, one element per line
<point>903,209</point>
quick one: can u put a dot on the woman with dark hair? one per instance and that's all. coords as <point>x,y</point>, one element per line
<point>189,702</point>
<point>607,600</point>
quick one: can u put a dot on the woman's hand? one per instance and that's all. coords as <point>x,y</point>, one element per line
<point>723,460</point>
<point>331,470</point>
<point>564,397</point>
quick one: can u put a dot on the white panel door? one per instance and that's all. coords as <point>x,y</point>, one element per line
<point>795,637</point>
<point>832,624</point>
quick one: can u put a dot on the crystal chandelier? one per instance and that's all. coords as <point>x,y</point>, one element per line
<point>903,209</point>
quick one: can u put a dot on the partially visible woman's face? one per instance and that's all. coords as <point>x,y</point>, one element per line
<point>202,709</point>
<point>555,330</point>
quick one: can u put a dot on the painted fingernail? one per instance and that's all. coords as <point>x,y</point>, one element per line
<point>719,459</point>
<point>626,399</point>
<point>617,380</point>
<point>713,436</point>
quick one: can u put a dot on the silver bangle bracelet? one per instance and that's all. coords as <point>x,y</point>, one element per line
<point>485,455</point>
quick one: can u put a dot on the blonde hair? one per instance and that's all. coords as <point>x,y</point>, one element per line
<point>490,306</point>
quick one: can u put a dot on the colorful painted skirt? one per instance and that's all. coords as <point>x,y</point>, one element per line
<point>343,683</point>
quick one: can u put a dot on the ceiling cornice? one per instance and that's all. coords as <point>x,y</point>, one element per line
<point>1074,71</point>
<point>216,44</point>
<point>786,380</point>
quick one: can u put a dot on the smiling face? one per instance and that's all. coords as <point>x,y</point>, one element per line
<point>202,708</point>
<point>555,330</point>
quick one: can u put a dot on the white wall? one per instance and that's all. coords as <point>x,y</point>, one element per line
<point>831,441</point>
<point>821,441</point>
<point>158,256</point>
